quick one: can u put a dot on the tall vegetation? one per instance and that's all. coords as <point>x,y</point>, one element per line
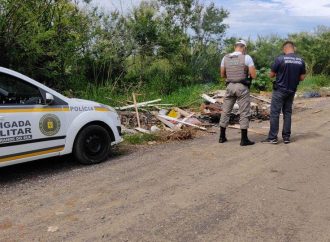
<point>160,44</point>
<point>157,46</point>
<point>45,39</point>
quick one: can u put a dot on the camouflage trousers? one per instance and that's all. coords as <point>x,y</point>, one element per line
<point>240,93</point>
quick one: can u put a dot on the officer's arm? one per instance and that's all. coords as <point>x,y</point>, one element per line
<point>223,72</point>
<point>303,72</point>
<point>302,77</point>
<point>275,67</point>
<point>272,74</point>
<point>252,72</point>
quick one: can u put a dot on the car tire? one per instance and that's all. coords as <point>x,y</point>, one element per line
<point>92,145</point>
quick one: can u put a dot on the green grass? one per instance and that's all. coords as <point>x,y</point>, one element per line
<point>190,96</point>
<point>314,83</point>
<point>182,97</point>
<point>138,139</point>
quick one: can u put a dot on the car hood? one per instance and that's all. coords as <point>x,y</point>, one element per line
<point>85,102</point>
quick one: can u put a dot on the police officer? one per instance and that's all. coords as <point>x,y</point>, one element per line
<point>289,69</point>
<point>236,67</point>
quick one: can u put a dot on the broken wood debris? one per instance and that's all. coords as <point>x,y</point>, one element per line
<point>143,130</point>
<point>156,117</point>
<point>136,110</point>
<point>212,107</point>
<point>180,121</point>
<point>209,99</point>
<point>143,104</point>
<point>261,99</point>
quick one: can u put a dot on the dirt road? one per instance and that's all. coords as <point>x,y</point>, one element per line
<point>196,190</point>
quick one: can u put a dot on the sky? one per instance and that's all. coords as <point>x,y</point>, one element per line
<point>253,18</point>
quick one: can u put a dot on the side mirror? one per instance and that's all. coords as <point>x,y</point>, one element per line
<point>49,98</point>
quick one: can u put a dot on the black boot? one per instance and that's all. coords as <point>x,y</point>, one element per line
<point>245,140</point>
<point>222,138</point>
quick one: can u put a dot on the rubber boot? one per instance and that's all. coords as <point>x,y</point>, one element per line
<point>244,138</point>
<point>222,138</point>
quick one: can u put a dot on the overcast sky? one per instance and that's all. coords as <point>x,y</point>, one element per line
<point>250,18</point>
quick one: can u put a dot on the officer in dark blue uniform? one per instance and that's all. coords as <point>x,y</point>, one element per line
<point>289,69</point>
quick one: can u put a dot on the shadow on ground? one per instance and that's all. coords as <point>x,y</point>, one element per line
<point>35,170</point>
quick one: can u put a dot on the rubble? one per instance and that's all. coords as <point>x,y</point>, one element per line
<point>325,91</point>
<point>174,122</point>
<point>143,104</point>
<point>311,94</point>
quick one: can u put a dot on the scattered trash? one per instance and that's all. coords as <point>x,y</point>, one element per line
<point>182,134</point>
<point>311,94</point>
<point>143,130</point>
<point>172,122</point>
<point>154,129</point>
<point>325,91</point>
<point>209,99</point>
<point>52,229</point>
<point>180,121</point>
<point>219,93</point>
<point>285,189</point>
<point>261,99</point>
<point>143,104</point>
<point>125,130</point>
<point>174,114</point>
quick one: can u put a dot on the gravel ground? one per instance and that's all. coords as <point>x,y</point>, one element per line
<point>195,190</point>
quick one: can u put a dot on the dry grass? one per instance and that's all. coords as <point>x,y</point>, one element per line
<point>184,134</point>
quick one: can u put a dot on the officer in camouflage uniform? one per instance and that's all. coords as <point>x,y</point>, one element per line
<point>236,67</point>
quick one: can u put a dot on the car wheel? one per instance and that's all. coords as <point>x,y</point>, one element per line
<point>92,145</point>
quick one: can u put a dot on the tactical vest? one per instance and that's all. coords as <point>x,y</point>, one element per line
<point>236,70</point>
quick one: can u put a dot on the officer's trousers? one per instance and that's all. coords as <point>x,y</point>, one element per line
<point>281,101</point>
<point>240,93</point>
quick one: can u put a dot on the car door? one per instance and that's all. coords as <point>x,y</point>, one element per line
<point>29,128</point>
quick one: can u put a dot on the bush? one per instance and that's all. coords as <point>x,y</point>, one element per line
<point>314,82</point>
<point>160,77</point>
<point>263,81</point>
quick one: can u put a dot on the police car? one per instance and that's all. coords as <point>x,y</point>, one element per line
<point>37,122</point>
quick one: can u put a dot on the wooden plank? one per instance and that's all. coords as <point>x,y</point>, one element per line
<point>143,104</point>
<point>136,110</point>
<point>208,98</point>
<point>260,99</point>
<point>167,123</point>
<point>185,119</point>
<point>180,121</point>
<point>128,131</point>
<point>182,112</point>
<point>143,130</point>
<point>159,104</point>
<point>219,93</point>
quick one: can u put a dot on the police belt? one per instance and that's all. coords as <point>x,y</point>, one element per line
<point>245,82</point>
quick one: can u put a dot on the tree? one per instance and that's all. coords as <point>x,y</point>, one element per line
<point>42,38</point>
<point>315,49</point>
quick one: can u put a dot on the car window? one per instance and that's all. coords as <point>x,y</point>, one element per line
<point>14,91</point>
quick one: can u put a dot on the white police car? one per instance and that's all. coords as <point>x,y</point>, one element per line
<point>37,122</point>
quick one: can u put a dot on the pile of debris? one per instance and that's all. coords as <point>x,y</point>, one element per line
<point>153,116</point>
<point>212,107</point>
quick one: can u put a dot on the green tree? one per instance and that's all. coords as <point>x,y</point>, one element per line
<point>42,38</point>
